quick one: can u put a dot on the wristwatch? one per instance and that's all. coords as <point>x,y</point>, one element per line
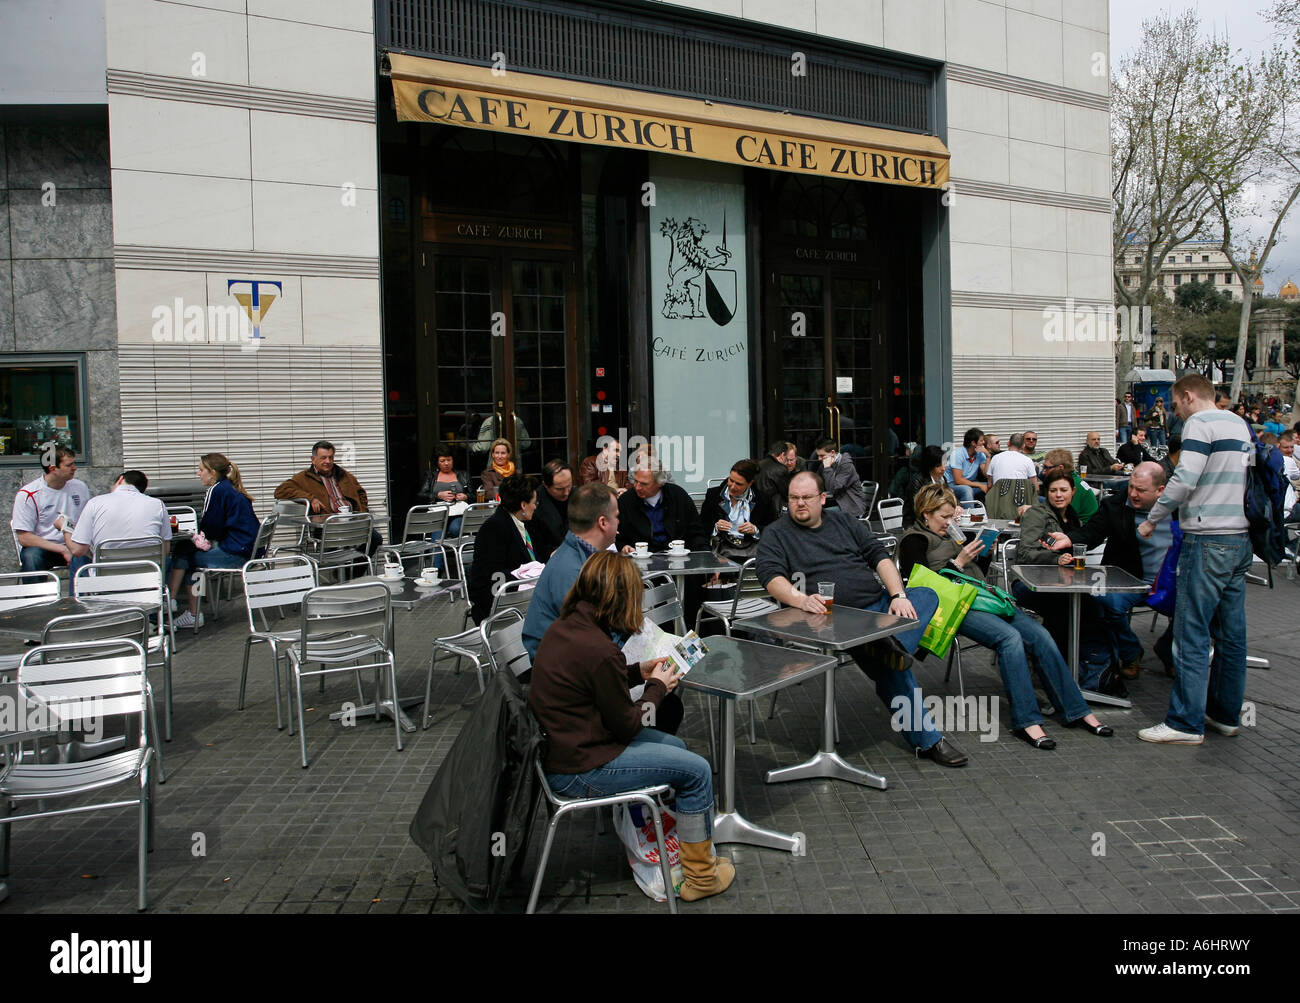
<point>898,595</point>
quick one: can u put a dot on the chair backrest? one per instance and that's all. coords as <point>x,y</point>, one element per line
<point>13,534</point>
<point>31,588</point>
<point>474,518</point>
<point>661,604</point>
<point>142,548</point>
<point>264,533</point>
<point>422,521</point>
<point>748,587</point>
<point>713,482</point>
<point>276,582</point>
<point>890,513</point>
<point>974,507</point>
<point>512,595</point>
<point>84,683</point>
<point>1008,558</point>
<point>346,532</point>
<point>126,581</point>
<point>187,520</point>
<point>890,543</point>
<point>503,640</point>
<point>360,608</point>
<point>300,507</point>
<point>102,626</point>
<point>870,489</point>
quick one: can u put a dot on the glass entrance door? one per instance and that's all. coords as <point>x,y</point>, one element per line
<point>501,328</point>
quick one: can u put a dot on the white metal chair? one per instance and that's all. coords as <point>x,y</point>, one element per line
<point>144,548</point>
<point>869,490</point>
<point>273,583</point>
<point>26,588</point>
<point>503,640</point>
<point>108,625</point>
<point>890,513</point>
<point>295,514</point>
<point>187,520</point>
<point>469,642</point>
<point>471,521</point>
<point>79,682</point>
<point>344,540</point>
<point>225,577</point>
<point>138,582</point>
<point>558,806</point>
<point>340,626</point>
<point>423,523</point>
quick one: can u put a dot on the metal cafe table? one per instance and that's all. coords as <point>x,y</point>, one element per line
<point>693,562</point>
<point>28,623</point>
<point>737,670</point>
<point>833,633</point>
<point>1099,580</point>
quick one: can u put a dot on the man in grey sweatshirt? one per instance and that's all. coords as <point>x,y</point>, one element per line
<point>811,544</point>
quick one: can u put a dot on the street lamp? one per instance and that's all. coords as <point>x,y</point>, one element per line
<point>1210,341</point>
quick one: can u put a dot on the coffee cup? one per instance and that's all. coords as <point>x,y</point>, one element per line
<point>677,544</point>
<point>392,571</point>
<point>429,574</point>
<point>642,549</point>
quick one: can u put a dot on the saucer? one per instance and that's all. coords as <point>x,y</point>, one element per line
<point>677,553</point>
<point>424,583</point>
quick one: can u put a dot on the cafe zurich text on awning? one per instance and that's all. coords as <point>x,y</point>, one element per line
<point>477,97</point>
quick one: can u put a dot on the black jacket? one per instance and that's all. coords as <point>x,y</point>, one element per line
<point>548,525</point>
<point>761,512</point>
<point>773,480</point>
<point>475,818</point>
<point>681,520</point>
<point>1132,453</point>
<point>498,550</point>
<point>1113,522</point>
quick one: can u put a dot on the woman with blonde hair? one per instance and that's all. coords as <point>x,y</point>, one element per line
<point>227,530</point>
<point>598,741</point>
<point>501,464</point>
<point>928,542</point>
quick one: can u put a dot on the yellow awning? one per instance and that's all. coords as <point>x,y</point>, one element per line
<point>477,97</point>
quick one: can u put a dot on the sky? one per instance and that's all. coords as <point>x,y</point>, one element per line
<point>1244,24</point>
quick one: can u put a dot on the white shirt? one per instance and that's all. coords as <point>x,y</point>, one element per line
<point>37,505</point>
<point>1291,470</point>
<point>122,514</point>
<point>1011,464</point>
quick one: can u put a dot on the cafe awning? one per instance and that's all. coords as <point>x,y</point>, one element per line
<point>478,97</point>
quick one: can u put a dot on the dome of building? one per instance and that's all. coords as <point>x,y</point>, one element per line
<point>1289,291</point>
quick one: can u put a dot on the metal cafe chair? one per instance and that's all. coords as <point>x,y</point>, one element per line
<point>273,583</point>
<point>469,643</point>
<point>423,523</point>
<point>107,625</point>
<point>869,489</point>
<point>144,548</point>
<point>26,588</point>
<point>470,522</point>
<point>187,520</point>
<point>342,625</point>
<point>138,582</point>
<point>890,513</point>
<point>295,515</point>
<point>344,540</point>
<point>558,806</point>
<point>77,682</point>
<point>226,576</point>
<point>503,640</point>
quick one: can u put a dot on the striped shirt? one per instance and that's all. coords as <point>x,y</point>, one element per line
<point>1209,485</point>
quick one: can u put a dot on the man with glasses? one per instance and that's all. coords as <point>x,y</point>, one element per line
<point>1126,416</point>
<point>812,544</point>
<point>1032,451</point>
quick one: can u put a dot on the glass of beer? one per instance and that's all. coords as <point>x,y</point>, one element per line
<point>482,495</point>
<point>826,593</point>
<point>1080,556</point>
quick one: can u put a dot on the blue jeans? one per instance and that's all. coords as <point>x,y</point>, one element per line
<point>40,559</point>
<point>652,758</point>
<point>1115,612</point>
<point>189,557</point>
<point>890,684</point>
<point>1014,640</point>
<point>1156,436</point>
<point>1122,434</point>
<point>1211,603</point>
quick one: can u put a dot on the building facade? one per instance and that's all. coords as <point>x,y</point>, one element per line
<point>404,223</point>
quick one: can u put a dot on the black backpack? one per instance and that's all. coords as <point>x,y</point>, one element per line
<point>475,818</point>
<point>1265,502</point>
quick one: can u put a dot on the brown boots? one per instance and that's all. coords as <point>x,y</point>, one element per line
<point>703,874</point>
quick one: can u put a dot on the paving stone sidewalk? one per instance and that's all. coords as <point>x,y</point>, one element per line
<point>1097,825</point>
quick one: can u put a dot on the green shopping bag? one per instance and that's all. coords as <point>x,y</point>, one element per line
<point>989,598</point>
<point>955,599</point>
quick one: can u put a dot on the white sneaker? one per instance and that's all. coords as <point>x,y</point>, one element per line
<point>186,621</point>
<point>1163,734</point>
<point>1222,729</point>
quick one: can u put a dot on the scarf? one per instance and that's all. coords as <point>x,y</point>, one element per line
<point>739,509</point>
<point>507,471</point>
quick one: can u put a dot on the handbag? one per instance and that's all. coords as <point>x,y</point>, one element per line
<point>1164,590</point>
<point>991,599</point>
<point>955,600</point>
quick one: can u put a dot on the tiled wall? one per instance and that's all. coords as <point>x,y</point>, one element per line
<point>243,147</point>
<point>56,278</point>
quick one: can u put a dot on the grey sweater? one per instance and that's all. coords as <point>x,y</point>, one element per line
<point>840,550</point>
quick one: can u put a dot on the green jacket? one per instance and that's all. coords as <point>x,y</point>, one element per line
<point>1084,504</point>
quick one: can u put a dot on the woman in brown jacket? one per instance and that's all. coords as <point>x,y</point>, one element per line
<point>597,739</point>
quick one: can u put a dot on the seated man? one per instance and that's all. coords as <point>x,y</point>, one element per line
<point>966,465</point>
<point>125,513</point>
<point>1116,523</point>
<point>1031,449</point>
<point>1175,449</point>
<point>843,485</point>
<point>329,488</point>
<point>657,511</point>
<point>1291,470</point>
<point>774,471</point>
<point>46,510</point>
<point>811,543</point>
<point>551,520</point>
<point>1096,458</point>
<point>593,526</point>
<point>1135,450</point>
<point>604,466</point>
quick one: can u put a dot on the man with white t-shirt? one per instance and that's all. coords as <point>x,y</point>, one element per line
<point>1291,470</point>
<point>1012,463</point>
<point>45,510</point>
<point>125,513</point>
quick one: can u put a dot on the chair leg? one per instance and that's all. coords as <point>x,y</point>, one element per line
<point>664,864</point>
<point>771,713</point>
<point>4,847</point>
<point>143,850</point>
<point>428,689</point>
<point>243,680</point>
<point>397,704</point>
<point>167,686</point>
<point>153,736</point>
<point>541,865</point>
<point>302,721</point>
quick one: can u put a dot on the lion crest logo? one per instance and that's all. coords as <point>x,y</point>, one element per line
<point>688,262</point>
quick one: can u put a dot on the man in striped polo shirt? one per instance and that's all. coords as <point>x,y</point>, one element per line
<point>1208,491</point>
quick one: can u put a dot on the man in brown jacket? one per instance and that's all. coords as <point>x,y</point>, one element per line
<point>328,487</point>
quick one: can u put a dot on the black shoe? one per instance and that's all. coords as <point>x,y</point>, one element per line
<point>1100,730</point>
<point>1112,684</point>
<point>944,753</point>
<point>1164,650</point>
<point>1044,743</point>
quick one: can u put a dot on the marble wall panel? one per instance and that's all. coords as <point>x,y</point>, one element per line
<point>71,156</point>
<point>64,305</point>
<point>78,225</point>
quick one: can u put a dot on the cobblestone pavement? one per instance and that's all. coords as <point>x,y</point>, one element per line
<point>1209,829</point>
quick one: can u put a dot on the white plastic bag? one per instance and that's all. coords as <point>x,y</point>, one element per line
<point>636,828</point>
